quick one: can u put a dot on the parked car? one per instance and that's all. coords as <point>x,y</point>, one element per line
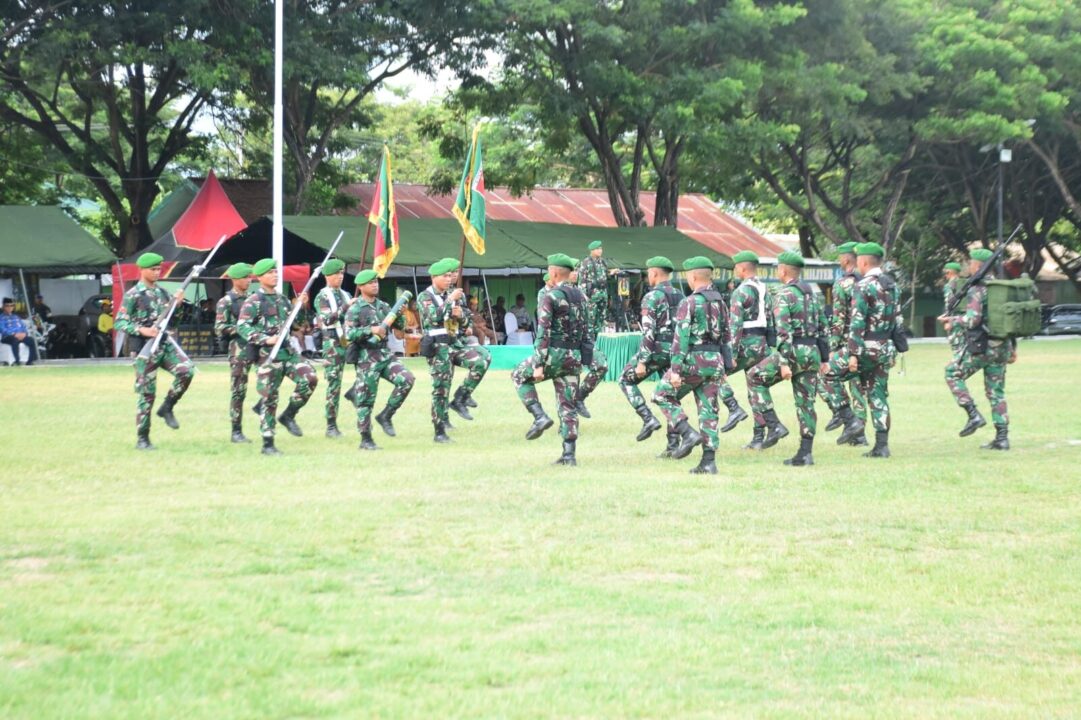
<point>1063,320</point>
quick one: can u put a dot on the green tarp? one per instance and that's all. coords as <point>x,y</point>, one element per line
<point>44,239</point>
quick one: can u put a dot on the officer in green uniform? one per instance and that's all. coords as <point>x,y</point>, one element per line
<point>852,413</point>
<point>562,331</point>
<point>876,307</point>
<point>951,272</point>
<point>801,326</point>
<point>262,320</point>
<point>591,276</point>
<point>365,328</point>
<point>750,327</point>
<point>226,315</point>
<point>698,360</point>
<point>331,304</point>
<point>142,307</point>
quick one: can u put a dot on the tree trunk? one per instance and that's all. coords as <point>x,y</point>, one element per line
<point>807,246</point>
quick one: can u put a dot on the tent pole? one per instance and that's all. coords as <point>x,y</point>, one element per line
<point>118,337</point>
<point>277,244</point>
<point>30,317</point>
<point>488,299</point>
<point>416,288</point>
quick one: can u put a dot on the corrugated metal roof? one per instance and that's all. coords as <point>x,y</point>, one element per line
<point>699,217</point>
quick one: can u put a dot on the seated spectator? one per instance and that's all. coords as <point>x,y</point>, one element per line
<point>481,330</point>
<point>13,332</point>
<point>42,310</point>
<point>413,332</point>
<point>521,314</point>
<point>499,311</point>
<point>105,319</point>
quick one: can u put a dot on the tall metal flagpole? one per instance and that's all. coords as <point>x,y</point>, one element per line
<point>277,235</point>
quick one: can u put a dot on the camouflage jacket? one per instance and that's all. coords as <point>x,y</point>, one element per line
<point>540,295</point>
<point>141,307</point>
<point>329,316</point>
<point>875,305</point>
<point>973,308</point>
<point>434,309</point>
<point>592,275</point>
<point>949,292</point>
<point>226,315</point>
<point>744,309</point>
<point>701,327</point>
<point>263,315</point>
<point>800,318</point>
<point>843,290</point>
<point>562,325</point>
<point>360,318</point>
<point>659,307</point>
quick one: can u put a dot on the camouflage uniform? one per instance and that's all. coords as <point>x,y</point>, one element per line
<point>956,334</point>
<point>659,307</point>
<point>832,383</point>
<point>330,309</point>
<point>263,315</point>
<point>993,362</point>
<point>700,331</point>
<point>750,317</point>
<point>142,307</point>
<point>593,282</point>
<point>598,365</point>
<point>375,360</point>
<point>799,319</point>
<point>450,350</point>
<point>225,326</point>
<point>561,326</point>
<point>875,308</point>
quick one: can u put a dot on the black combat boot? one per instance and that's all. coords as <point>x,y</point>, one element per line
<point>469,401</point>
<point>853,427</point>
<point>257,408</point>
<point>1001,442</point>
<point>238,434</point>
<point>384,419</point>
<point>757,437</point>
<point>351,395</point>
<point>835,422</point>
<point>706,466</point>
<point>567,458</point>
<point>332,430</point>
<point>975,421</point>
<point>673,443</point>
<point>165,412</point>
<point>583,411</point>
<point>268,447</point>
<point>649,423</point>
<point>803,455</point>
<point>882,445</point>
<point>541,422</point>
<point>366,442</point>
<point>688,439</point>
<point>441,434</point>
<point>143,442</point>
<point>288,419</point>
<point>859,441</point>
<point>458,404</point>
<point>774,430</point>
<point>736,414</point>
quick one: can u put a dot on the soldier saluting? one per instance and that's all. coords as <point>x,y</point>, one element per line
<point>142,307</point>
<point>331,304</point>
<point>364,328</point>
<point>226,315</point>
<point>262,320</point>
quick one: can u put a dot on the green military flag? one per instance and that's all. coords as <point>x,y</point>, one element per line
<point>469,205</point>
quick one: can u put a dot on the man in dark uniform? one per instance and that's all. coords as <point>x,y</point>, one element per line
<point>226,315</point>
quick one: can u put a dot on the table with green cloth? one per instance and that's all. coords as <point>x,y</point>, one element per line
<point>620,349</point>
<point>507,357</point>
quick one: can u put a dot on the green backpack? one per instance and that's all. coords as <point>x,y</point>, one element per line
<point>1012,309</point>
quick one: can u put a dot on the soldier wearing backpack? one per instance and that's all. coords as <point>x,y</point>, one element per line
<point>984,353</point>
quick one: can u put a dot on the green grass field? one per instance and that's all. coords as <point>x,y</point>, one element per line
<point>476,580</point>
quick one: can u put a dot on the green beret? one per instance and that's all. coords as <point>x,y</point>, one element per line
<point>547,277</point>
<point>444,266</point>
<point>745,256</point>
<point>264,266</point>
<point>981,254</point>
<point>149,260</point>
<point>596,244</point>
<point>660,261</point>
<point>333,266</point>
<point>698,263</point>
<point>848,248</point>
<point>366,276</point>
<point>573,260</point>
<point>793,259</point>
<point>561,260</point>
<point>239,271</point>
<point>955,266</point>
<point>870,248</point>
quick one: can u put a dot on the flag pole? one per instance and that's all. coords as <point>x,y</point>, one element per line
<point>277,234</point>
<point>364,249</point>
<point>461,264</point>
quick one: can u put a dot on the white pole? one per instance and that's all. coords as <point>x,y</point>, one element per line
<point>277,243</point>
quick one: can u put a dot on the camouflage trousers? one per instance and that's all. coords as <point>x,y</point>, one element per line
<point>703,378</point>
<point>597,370</point>
<point>369,371</point>
<point>475,359</point>
<point>562,369</point>
<point>334,355</point>
<point>993,363</point>
<point>173,360</point>
<point>239,368</point>
<point>766,374</point>
<point>268,381</point>
<point>752,350</point>
<point>629,381</point>
<point>598,311</point>
<point>873,374</point>
<point>831,386</point>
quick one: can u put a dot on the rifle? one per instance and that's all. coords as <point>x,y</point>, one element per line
<point>980,274</point>
<point>162,324</point>
<point>284,329</point>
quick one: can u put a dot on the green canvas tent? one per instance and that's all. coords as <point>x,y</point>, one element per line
<point>43,239</point>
